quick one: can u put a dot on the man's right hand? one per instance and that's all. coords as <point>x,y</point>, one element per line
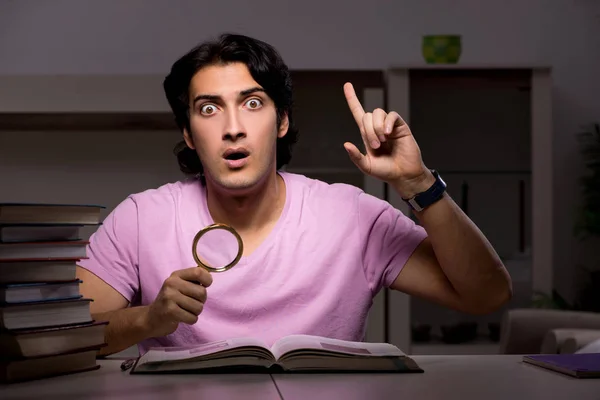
<point>180,299</point>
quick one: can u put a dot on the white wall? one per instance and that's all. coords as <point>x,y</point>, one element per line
<point>84,167</point>
<point>144,37</point>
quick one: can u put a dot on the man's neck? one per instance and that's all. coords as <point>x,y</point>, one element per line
<point>249,212</point>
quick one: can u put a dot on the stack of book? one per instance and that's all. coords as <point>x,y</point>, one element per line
<point>46,328</point>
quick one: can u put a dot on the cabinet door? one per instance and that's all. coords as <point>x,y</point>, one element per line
<point>322,116</point>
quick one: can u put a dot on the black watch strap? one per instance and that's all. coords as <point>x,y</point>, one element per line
<point>424,199</point>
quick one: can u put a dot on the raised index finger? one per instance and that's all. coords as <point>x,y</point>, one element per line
<point>355,106</point>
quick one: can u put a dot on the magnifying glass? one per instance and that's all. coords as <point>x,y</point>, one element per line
<point>217,248</point>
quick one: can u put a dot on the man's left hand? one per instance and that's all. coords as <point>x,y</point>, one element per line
<point>392,154</point>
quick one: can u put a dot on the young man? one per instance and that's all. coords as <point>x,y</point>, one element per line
<point>315,254</point>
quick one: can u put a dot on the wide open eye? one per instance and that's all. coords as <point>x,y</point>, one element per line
<point>208,109</point>
<point>254,104</point>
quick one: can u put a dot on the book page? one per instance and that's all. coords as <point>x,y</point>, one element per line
<point>163,354</point>
<point>298,342</point>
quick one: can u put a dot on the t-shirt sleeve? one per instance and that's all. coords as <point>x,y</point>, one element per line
<point>113,250</point>
<point>389,238</point>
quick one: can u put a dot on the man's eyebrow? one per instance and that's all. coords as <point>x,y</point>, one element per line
<point>210,97</point>
<point>251,90</point>
<point>214,97</point>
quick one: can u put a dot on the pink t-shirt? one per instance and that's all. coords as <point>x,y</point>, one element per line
<point>333,248</point>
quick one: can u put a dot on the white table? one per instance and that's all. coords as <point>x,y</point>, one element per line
<point>109,382</point>
<point>486,377</point>
<point>445,377</point>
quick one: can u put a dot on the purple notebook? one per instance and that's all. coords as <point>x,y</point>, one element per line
<point>577,365</point>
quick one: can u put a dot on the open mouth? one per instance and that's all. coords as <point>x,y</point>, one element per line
<point>236,156</point>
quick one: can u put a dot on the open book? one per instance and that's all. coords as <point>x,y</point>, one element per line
<point>292,353</point>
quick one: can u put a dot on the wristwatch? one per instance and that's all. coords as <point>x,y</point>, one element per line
<point>424,199</point>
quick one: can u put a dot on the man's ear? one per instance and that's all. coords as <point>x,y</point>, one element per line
<point>188,139</point>
<point>283,126</point>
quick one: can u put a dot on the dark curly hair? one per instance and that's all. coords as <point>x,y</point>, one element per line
<point>266,67</point>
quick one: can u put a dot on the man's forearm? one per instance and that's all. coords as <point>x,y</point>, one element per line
<point>465,255</point>
<point>467,258</point>
<point>126,327</point>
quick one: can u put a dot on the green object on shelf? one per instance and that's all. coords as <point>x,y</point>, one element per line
<point>441,49</point>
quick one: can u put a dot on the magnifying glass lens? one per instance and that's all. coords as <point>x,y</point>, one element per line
<point>217,248</point>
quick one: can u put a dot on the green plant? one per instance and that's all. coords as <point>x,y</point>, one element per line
<point>587,226</point>
<point>553,301</point>
<point>589,299</point>
<point>588,223</point>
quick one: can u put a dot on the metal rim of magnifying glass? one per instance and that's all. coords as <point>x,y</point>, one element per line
<point>210,228</point>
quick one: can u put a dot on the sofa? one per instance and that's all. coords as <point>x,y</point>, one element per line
<point>549,331</point>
